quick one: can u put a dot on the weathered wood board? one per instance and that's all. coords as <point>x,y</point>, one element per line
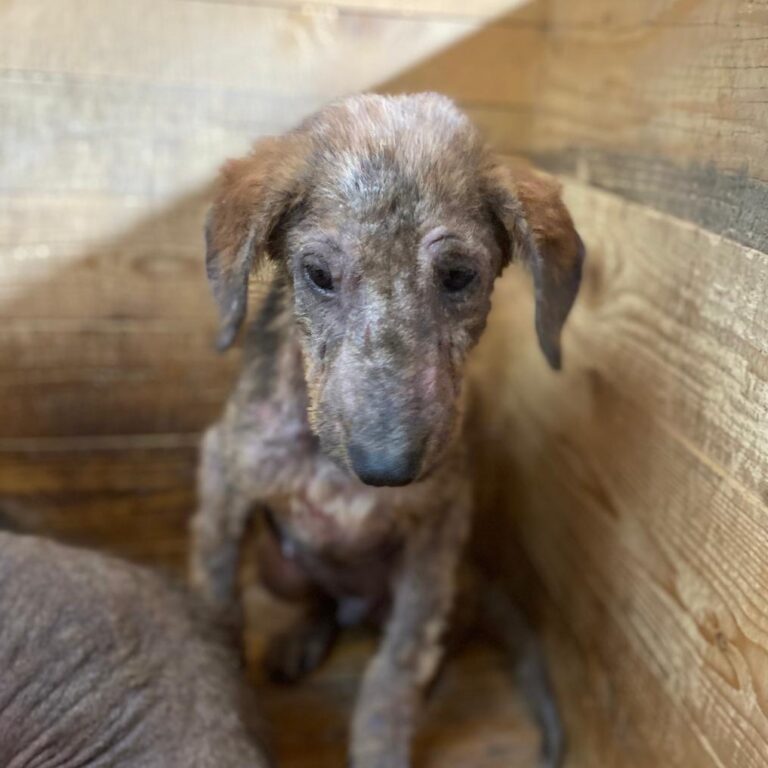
<point>132,496</point>
<point>471,718</point>
<point>105,336</point>
<point>112,128</point>
<point>663,101</point>
<point>638,482</point>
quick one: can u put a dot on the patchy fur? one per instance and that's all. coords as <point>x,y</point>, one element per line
<point>388,220</point>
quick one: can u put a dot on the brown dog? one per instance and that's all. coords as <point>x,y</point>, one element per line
<point>387,220</point>
<point>105,665</point>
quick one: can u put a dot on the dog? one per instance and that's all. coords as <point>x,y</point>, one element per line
<point>105,665</point>
<point>386,220</point>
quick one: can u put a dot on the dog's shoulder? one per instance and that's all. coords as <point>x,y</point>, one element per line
<point>269,342</point>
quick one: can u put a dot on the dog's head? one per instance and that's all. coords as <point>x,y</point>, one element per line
<point>390,221</point>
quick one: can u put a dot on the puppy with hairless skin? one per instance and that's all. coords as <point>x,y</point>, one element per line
<point>104,665</point>
<point>387,220</point>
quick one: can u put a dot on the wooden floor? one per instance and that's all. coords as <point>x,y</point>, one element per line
<point>473,717</point>
<point>135,503</point>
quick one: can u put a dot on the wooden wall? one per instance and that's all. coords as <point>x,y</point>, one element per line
<point>113,119</point>
<point>636,480</point>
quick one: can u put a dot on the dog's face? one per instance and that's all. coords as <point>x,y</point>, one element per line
<point>391,221</point>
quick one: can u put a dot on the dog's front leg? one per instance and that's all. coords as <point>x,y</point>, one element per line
<point>239,471</point>
<point>411,649</point>
<point>218,524</point>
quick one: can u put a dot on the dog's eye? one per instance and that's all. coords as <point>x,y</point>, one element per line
<point>319,276</point>
<point>456,279</point>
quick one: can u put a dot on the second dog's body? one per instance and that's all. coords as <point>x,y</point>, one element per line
<point>105,665</point>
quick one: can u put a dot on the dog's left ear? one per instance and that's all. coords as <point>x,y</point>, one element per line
<point>252,195</point>
<point>532,212</point>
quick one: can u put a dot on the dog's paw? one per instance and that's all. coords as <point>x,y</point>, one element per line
<point>298,652</point>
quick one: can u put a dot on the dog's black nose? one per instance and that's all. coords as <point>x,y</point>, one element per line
<point>383,465</point>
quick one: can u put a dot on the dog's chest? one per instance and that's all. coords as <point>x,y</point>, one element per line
<point>342,536</point>
<point>331,513</point>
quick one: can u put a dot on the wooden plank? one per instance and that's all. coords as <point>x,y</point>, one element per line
<point>234,46</point>
<point>480,10</point>
<point>496,66</point>
<point>106,336</point>
<point>680,81</point>
<point>730,204</point>
<point>151,141</point>
<point>99,382</point>
<point>82,220</point>
<point>661,72</point>
<point>664,102</point>
<point>699,330</point>
<point>473,717</point>
<point>685,81</point>
<point>103,257</point>
<point>90,139</point>
<point>129,496</point>
<point>636,479</point>
<point>132,497</point>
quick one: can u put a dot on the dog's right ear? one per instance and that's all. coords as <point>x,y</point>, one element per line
<point>252,195</point>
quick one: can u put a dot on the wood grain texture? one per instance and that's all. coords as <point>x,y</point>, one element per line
<point>132,497</point>
<point>683,79</point>
<point>473,717</point>
<point>421,9</point>
<point>267,49</point>
<point>128,495</point>
<point>665,102</point>
<point>113,127</point>
<point>106,336</point>
<point>727,203</point>
<point>637,480</point>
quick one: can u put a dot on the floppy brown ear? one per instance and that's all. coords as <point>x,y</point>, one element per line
<point>252,194</point>
<point>532,211</point>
